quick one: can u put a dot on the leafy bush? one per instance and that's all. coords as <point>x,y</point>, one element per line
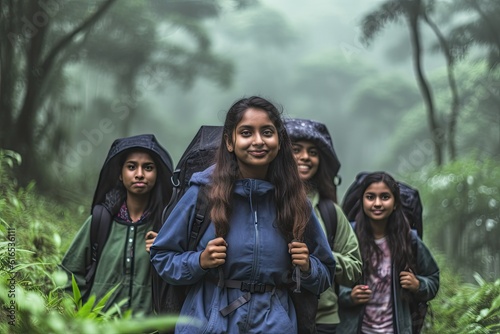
<point>461,213</point>
<point>467,308</point>
<point>31,285</point>
<point>32,312</point>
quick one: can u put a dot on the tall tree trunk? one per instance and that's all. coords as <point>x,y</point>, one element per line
<point>7,71</point>
<point>37,75</point>
<point>413,14</point>
<point>24,127</point>
<point>455,103</point>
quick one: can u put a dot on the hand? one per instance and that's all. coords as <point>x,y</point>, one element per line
<point>300,255</point>
<point>214,254</point>
<point>409,281</point>
<point>150,238</point>
<point>361,294</point>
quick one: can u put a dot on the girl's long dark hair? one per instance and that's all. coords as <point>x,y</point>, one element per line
<point>323,180</point>
<point>293,209</point>
<point>398,230</point>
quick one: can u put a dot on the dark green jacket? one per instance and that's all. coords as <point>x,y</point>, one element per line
<point>427,273</point>
<point>124,262</point>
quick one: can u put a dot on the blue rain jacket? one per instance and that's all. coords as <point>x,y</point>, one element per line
<point>257,253</point>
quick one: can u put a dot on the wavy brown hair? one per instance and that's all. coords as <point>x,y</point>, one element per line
<point>397,230</point>
<point>293,210</point>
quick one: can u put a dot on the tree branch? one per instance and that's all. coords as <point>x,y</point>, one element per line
<point>455,104</point>
<point>49,60</point>
<point>493,33</point>
<point>413,15</point>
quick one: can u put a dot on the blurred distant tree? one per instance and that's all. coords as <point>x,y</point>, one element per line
<point>326,76</point>
<point>412,12</point>
<point>479,28</point>
<point>482,31</point>
<point>129,41</point>
<point>478,125</point>
<point>390,95</point>
<point>452,83</point>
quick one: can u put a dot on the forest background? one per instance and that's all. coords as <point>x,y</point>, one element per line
<point>407,86</point>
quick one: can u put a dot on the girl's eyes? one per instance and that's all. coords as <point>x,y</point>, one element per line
<point>268,133</point>
<point>265,133</point>
<point>147,168</point>
<point>297,150</point>
<point>382,197</point>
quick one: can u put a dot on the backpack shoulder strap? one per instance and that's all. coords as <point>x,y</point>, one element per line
<point>202,218</point>
<point>99,230</point>
<point>329,216</point>
<point>414,242</point>
<point>167,298</point>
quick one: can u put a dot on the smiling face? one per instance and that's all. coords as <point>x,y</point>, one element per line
<point>378,202</point>
<point>138,174</point>
<point>255,143</point>
<point>307,156</point>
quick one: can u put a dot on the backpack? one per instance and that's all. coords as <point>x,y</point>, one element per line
<point>199,154</point>
<point>410,199</point>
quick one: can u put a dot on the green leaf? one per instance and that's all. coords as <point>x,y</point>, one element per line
<point>138,325</point>
<point>86,309</point>
<point>496,303</point>
<point>76,292</point>
<point>479,279</point>
<point>104,299</point>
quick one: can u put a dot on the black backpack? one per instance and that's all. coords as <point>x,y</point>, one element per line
<point>199,155</point>
<point>410,198</point>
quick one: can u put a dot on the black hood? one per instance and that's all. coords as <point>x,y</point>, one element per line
<point>316,132</point>
<point>111,169</point>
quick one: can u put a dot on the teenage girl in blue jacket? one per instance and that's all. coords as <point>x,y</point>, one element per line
<point>262,226</point>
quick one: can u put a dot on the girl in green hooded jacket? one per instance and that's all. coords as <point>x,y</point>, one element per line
<point>133,188</point>
<point>318,167</point>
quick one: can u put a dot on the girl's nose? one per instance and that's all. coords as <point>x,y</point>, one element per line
<point>140,173</point>
<point>304,155</point>
<point>258,140</point>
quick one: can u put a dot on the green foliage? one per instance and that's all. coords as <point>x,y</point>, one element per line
<point>31,286</point>
<point>461,215</point>
<point>32,312</point>
<point>466,308</point>
<point>33,218</point>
